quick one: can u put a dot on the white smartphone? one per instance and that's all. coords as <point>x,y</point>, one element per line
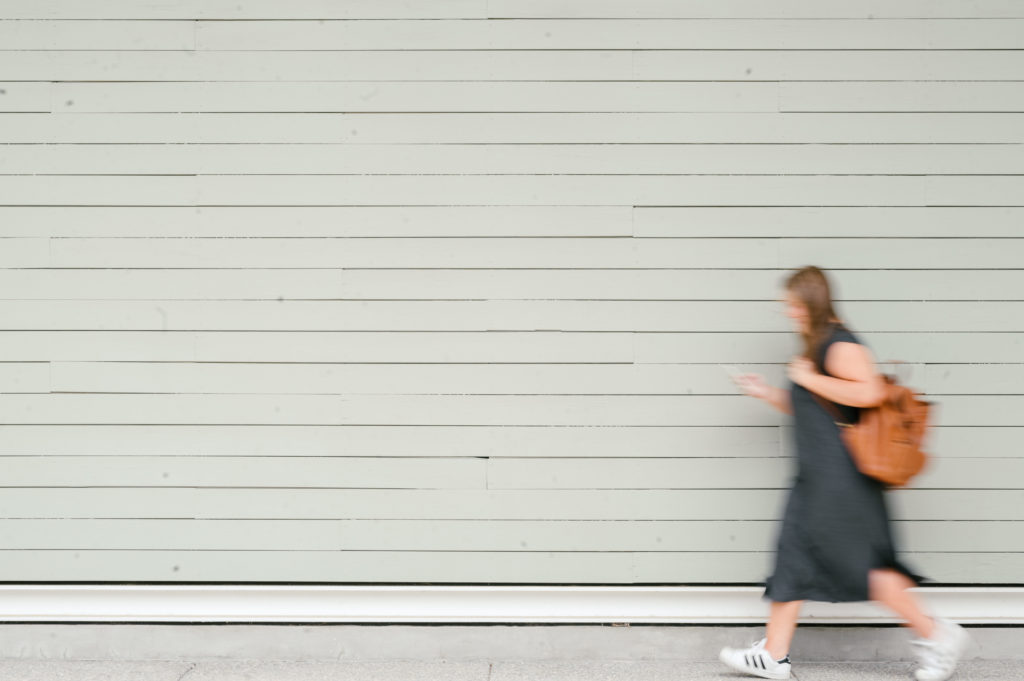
<point>732,371</point>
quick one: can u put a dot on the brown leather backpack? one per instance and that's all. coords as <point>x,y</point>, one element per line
<point>886,440</point>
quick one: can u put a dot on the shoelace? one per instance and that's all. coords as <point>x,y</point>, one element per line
<point>760,644</point>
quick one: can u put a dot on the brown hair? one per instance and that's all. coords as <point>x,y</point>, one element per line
<point>811,287</point>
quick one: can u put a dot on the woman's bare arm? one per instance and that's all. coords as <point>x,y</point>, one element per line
<point>780,398</point>
<point>854,380</point>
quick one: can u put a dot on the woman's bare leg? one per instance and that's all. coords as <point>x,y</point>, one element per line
<point>781,625</point>
<point>889,588</point>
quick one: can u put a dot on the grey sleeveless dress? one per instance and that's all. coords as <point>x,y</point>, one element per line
<point>836,526</point>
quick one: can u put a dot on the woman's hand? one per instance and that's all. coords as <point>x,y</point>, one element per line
<point>753,385</point>
<point>800,370</point>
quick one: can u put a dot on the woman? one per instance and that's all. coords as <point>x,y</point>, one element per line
<point>834,544</point>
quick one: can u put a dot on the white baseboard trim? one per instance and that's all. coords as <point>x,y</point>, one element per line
<point>467,604</point>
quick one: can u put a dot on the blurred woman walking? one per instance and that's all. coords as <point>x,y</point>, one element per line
<point>835,543</point>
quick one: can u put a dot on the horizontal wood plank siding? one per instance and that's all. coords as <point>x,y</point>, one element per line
<point>403,291</point>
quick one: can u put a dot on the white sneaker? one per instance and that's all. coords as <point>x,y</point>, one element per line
<point>940,653</point>
<point>756,660</point>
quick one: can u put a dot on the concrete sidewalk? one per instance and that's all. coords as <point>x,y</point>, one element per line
<point>674,644</point>
<point>495,652</point>
<point>418,670</point>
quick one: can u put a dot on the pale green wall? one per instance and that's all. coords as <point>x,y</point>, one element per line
<point>435,291</point>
